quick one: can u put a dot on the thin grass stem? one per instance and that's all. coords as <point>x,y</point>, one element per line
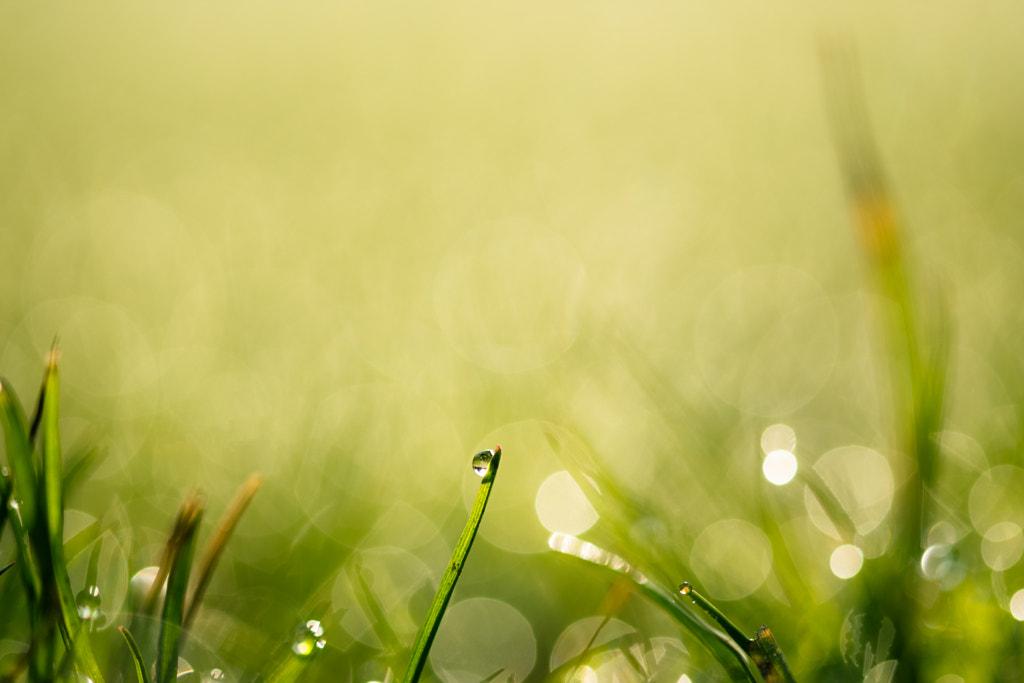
<point>451,575</point>
<point>141,671</point>
<point>215,548</point>
<point>182,545</point>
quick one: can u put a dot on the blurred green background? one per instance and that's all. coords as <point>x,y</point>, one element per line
<point>348,244</point>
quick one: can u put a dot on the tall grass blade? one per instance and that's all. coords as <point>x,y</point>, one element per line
<point>451,575</point>
<point>917,372</point>
<point>731,656</point>
<point>181,545</point>
<point>215,547</point>
<point>53,514</point>
<point>140,666</point>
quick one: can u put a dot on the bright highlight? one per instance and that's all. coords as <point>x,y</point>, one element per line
<point>779,467</point>
<point>846,561</point>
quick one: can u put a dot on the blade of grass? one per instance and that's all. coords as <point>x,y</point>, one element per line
<point>215,547</point>
<point>776,668</point>
<point>5,568</point>
<point>917,363</point>
<point>731,656</point>
<point>140,666</point>
<point>373,609</point>
<point>22,471</point>
<point>53,513</point>
<point>763,649</point>
<point>307,640</point>
<point>451,575</point>
<point>182,545</point>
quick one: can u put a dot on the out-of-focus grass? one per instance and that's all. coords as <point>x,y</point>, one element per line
<point>343,245</point>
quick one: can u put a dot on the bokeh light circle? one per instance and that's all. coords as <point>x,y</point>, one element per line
<point>1017,605</point>
<point>562,506</point>
<point>1002,546</point>
<point>779,467</point>
<point>731,558</point>
<point>778,437</point>
<point>479,636</point>
<point>846,561</point>
<point>996,497</point>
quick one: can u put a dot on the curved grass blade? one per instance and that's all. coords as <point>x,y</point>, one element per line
<point>219,540</point>
<point>140,666</point>
<point>763,649</point>
<point>729,654</point>
<point>181,545</point>
<point>490,460</point>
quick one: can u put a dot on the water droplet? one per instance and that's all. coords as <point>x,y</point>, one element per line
<point>685,588</point>
<point>214,675</point>
<point>308,638</point>
<point>88,601</point>
<point>481,461</point>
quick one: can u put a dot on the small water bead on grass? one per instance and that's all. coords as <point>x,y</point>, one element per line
<point>308,638</point>
<point>482,460</point>
<point>88,601</point>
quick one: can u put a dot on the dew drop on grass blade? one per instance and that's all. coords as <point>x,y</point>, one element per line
<point>485,464</point>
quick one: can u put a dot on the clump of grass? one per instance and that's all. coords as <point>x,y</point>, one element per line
<point>33,493</point>
<point>33,505</point>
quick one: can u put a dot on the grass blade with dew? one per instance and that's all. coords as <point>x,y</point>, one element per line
<point>729,654</point>
<point>181,546</point>
<point>763,649</point>
<point>76,639</point>
<point>486,464</point>
<point>307,641</point>
<point>141,672</point>
<point>215,547</point>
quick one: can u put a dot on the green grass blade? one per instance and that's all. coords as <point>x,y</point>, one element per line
<point>19,454</point>
<point>5,568</point>
<point>769,658</point>
<point>731,656</point>
<point>734,632</point>
<point>182,545</point>
<point>306,642</point>
<point>140,666</point>
<point>451,575</point>
<point>373,610</point>
<point>763,649</point>
<point>53,529</point>
<point>220,539</point>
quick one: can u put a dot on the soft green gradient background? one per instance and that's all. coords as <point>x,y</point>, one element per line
<point>348,244</point>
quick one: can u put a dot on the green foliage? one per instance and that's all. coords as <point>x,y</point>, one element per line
<point>33,500</point>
